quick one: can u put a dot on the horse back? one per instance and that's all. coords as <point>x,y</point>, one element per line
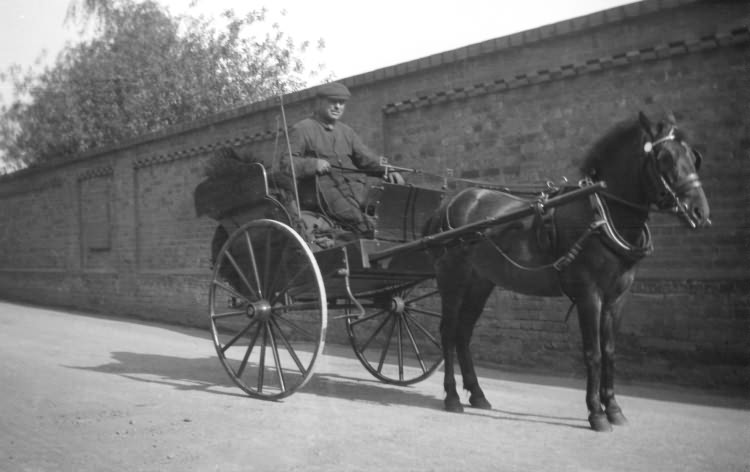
<point>516,255</point>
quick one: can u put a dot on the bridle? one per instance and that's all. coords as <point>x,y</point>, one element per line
<point>668,196</point>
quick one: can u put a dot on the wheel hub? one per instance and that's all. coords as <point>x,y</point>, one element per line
<point>398,305</point>
<point>260,310</point>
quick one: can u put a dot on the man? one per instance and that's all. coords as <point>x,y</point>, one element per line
<point>323,146</point>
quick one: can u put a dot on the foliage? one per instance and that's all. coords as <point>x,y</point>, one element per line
<point>144,69</point>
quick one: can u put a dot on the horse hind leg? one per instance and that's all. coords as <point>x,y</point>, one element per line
<point>474,302</point>
<point>452,294</point>
<point>452,401</point>
<point>450,303</point>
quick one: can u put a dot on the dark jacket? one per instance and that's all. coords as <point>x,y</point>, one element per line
<point>343,192</point>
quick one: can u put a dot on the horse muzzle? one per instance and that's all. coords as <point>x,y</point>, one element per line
<point>693,208</point>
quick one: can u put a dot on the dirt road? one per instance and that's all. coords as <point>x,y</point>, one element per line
<point>87,393</point>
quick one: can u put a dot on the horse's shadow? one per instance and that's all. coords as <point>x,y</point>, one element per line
<point>205,374</point>
<point>370,390</point>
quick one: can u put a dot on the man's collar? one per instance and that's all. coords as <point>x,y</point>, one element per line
<point>327,126</point>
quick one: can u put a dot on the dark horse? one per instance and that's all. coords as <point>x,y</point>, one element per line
<point>590,254</point>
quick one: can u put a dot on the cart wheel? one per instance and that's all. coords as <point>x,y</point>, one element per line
<point>268,309</point>
<point>398,338</point>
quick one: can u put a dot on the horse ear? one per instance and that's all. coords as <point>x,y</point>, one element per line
<point>671,119</point>
<point>646,125</point>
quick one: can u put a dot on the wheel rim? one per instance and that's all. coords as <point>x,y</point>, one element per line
<point>397,340</point>
<point>268,309</point>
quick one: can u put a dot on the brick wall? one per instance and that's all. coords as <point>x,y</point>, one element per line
<point>115,230</point>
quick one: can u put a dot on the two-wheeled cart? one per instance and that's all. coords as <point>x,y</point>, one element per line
<point>277,279</point>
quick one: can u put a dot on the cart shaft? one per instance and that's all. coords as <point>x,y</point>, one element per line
<point>451,234</point>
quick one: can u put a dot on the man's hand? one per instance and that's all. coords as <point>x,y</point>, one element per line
<point>395,178</point>
<point>322,167</point>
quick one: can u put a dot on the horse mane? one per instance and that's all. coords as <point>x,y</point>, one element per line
<point>625,132</point>
<point>609,144</point>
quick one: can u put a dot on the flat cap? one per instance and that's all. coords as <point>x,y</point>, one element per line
<point>334,90</point>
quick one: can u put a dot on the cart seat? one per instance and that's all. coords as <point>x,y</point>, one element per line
<point>218,196</point>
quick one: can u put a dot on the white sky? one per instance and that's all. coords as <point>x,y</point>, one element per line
<point>360,36</point>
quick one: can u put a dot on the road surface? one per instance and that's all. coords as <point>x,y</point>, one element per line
<point>88,393</point>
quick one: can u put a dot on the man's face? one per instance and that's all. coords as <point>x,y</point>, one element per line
<point>331,109</point>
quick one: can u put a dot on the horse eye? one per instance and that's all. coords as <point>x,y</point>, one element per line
<point>666,160</point>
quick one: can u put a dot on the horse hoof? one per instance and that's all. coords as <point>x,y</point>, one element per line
<point>615,417</point>
<point>599,423</point>
<point>454,405</point>
<point>480,402</point>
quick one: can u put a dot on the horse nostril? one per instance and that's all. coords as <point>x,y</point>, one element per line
<point>700,218</point>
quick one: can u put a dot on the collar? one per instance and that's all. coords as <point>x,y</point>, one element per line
<point>614,240</point>
<point>326,126</point>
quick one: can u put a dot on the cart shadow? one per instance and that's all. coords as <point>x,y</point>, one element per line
<point>206,375</point>
<point>201,374</point>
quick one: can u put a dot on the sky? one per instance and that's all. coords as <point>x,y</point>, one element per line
<point>360,36</point>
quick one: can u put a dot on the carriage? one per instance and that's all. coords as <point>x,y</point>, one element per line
<point>281,271</point>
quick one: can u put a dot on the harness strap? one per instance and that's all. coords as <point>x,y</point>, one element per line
<point>575,249</point>
<point>562,261</point>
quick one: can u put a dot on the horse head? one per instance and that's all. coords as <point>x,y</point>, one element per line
<point>671,169</point>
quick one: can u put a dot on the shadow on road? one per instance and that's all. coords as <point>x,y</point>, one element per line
<point>205,374</point>
<point>201,374</point>
<point>348,388</point>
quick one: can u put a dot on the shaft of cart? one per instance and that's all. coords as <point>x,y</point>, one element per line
<point>452,234</point>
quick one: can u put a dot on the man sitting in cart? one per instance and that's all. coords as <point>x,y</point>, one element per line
<point>323,146</point>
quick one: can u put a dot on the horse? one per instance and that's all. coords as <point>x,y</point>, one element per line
<point>590,255</point>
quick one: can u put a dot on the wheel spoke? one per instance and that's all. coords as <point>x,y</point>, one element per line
<point>421,297</point>
<point>262,364</point>
<point>240,273</point>
<point>227,314</point>
<point>424,330</point>
<point>374,333</point>
<point>250,347</point>
<point>289,347</point>
<point>297,328</point>
<point>238,336</point>
<point>387,345</point>
<point>279,272</point>
<point>414,343</point>
<point>296,307</point>
<point>253,263</point>
<point>267,266</point>
<point>231,290</point>
<point>289,283</point>
<point>368,317</point>
<point>399,349</point>
<point>434,314</point>
<point>276,359</point>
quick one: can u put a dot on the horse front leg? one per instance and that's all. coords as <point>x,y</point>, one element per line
<point>589,312</point>
<point>607,391</point>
